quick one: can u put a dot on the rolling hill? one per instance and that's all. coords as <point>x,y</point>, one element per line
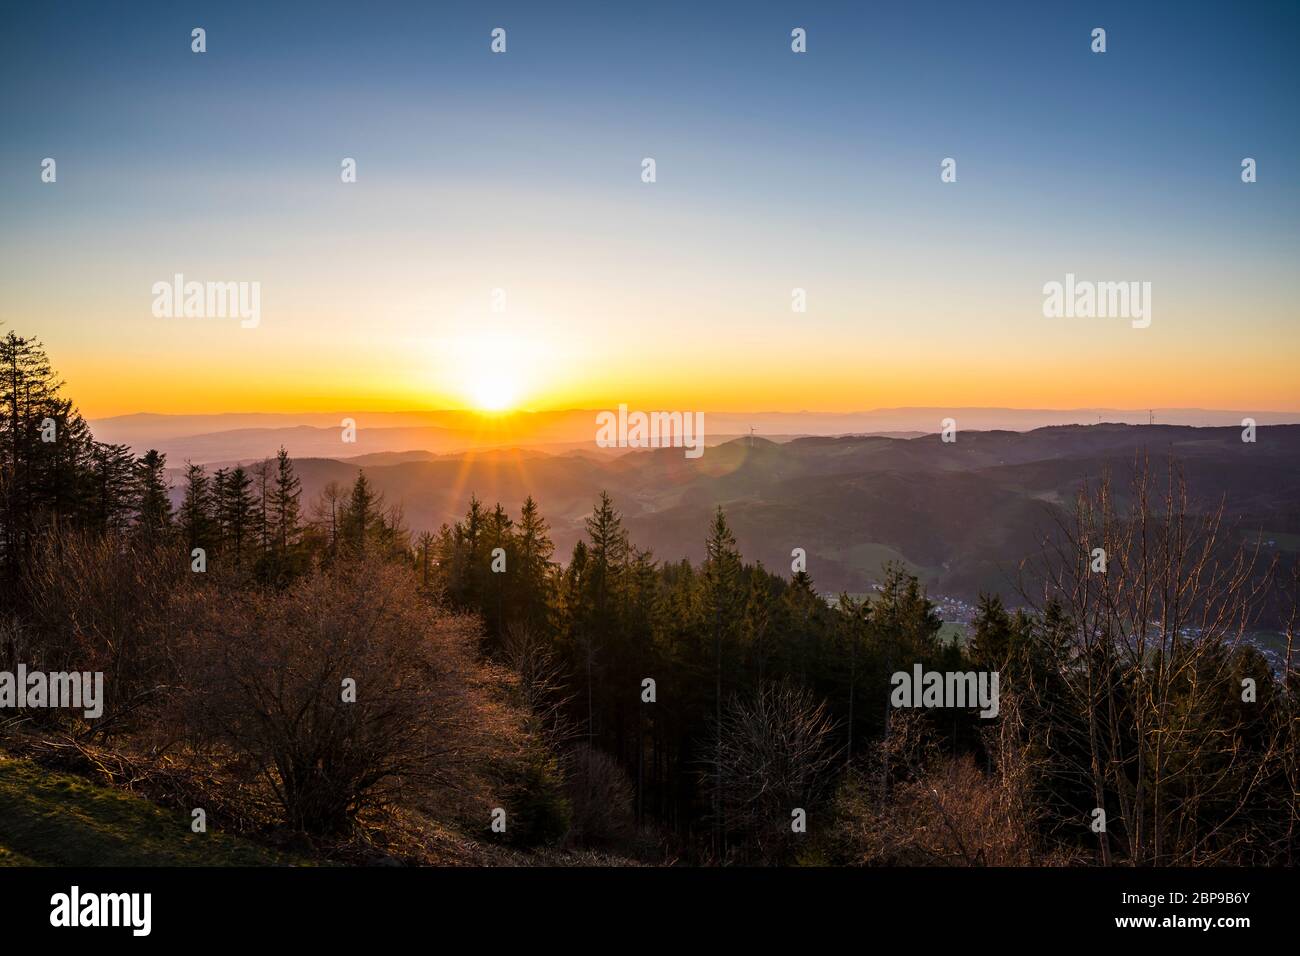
<point>963,514</point>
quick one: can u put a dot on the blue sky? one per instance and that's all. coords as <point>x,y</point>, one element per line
<point>774,170</point>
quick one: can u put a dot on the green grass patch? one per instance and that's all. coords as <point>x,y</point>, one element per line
<point>55,819</point>
<point>9,858</point>
<point>1282,541</point>
<point>871,558</point>
<point>1271,640</point>
<point>953,632</point>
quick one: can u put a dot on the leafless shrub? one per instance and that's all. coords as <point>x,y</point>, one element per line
<point>104,604</point>
<point>775,755</point>
<point>601,798</point>
<point>540,683</point>
<point>941,810</point>
<point>265,676</point>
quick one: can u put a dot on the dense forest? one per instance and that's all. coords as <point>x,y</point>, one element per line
<point>314,674</point>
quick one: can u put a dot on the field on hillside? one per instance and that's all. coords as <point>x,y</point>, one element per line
<point>56,819</point>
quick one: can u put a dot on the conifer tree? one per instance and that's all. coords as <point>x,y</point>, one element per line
<point>111,489</point>
<point>285,502</point>
<point>533,542</point>
<point>28,395</point>
<point>359,514</point>
<point>498,590</point>
<point>238,516</point>
<point>196,519</point>
<point>722,603</point>
<point>599,624</point>
<point>261,475</point>
<point>991,643</point>
<point>153,508</point>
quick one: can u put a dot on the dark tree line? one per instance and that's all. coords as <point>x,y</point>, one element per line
<point>54,474</point>
<point>247,519</point>
<point>718,641</point>
<point>1133,692</point>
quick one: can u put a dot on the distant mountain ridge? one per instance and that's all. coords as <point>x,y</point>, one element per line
<point>240,436</point>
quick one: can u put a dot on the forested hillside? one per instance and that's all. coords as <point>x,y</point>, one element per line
<point>962,515</point>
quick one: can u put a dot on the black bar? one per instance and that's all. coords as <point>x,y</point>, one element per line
<point>486,906</point>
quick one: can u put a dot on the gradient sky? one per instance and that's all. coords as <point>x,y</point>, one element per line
<point>522,171</point>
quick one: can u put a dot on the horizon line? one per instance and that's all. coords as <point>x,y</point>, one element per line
<point>576,410</point>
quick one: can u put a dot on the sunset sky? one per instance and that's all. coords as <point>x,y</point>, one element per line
<point>522,172</point>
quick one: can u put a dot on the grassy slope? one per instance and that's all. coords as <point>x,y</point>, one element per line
<point>54,819</point>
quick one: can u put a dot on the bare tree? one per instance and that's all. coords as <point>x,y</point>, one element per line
<point>774,754</point>
<point>343,691</point>
<point>107,604</point>
<point>1158,597</point>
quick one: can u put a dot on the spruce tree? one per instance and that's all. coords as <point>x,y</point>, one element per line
<point>153,510</point>
<point>196,519</point>
<point>533,541</point>
<point>361,517</point>
<point>722,600</point>
<point>238,514</point>
<point>111,489</point>
<point>285,502</point>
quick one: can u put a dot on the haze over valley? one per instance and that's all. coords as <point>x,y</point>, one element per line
<point>964,516</point>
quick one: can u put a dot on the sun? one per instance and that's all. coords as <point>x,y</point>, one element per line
<point>491,378</point>
<point>492,391</point>
<point>490,370</point>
